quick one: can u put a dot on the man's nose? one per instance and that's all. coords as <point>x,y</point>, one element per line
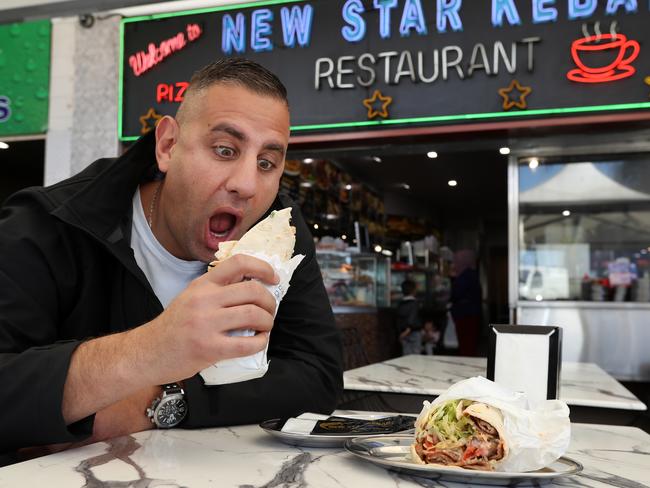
<point>243,178</point>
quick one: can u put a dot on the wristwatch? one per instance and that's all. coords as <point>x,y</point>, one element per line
<point>169,409</point>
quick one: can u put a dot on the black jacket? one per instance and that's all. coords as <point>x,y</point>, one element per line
<point>67,273</point>
<point>407,315</point>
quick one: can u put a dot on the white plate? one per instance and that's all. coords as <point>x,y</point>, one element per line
<point>393,452</point>
<point>273,427</point>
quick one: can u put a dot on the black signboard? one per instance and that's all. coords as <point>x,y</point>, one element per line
<point>382,63</point>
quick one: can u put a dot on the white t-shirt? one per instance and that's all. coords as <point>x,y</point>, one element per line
<point>167,274</point>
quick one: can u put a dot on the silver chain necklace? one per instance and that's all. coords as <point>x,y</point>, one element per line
<point>152,207</point>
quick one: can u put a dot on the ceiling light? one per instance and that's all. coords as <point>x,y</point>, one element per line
<point>539,298</point>
<point>315,226</point>
<point>306,184</point>
<point>452,183</point>
<point>308,160</point>
<point>432,155</point>
<point>348,187</point>
<point>344,237</point>
<point>4,145</point>
<point>376,159</point>
<point>566,213</point>
<point>504,150</point>
<point>330,216</point>
<point>533,163</point>
<point>377,248</point>
<point>386,252</point>
<point>406,186</point>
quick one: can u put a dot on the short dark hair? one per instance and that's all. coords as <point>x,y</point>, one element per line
<point>240,71</point>
<point>408,287</point>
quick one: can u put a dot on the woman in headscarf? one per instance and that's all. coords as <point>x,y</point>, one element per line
<point>466,301</point>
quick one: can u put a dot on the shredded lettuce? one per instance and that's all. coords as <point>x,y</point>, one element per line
<point>449,429</point>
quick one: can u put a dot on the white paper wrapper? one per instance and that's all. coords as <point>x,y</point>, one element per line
<point>537,433</point>
<point>255,366</point>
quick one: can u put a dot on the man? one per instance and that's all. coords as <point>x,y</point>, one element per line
<point>408,320</point>
<point>103,292</point>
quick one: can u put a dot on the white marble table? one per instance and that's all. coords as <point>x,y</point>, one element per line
<point>581,384</point>
<point>247,457</point>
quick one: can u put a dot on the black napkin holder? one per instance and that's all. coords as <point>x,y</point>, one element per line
<point>347,426</point>
<point>526,358</point>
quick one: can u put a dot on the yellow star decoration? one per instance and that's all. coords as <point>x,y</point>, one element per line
<point>149,121</point>
<point>647,80</point>
<point>509,102</point>
<point>369,103</point>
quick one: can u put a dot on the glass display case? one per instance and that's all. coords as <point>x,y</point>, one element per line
<point>355,279</point>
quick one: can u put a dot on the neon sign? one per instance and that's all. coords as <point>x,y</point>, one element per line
<point>5,109</point>
<point>348,49</point>
<point>296,28</point>
<point>143,61</point>
<point>385,101</point>
<point>253,30</point>
<point>149,120</point>
<point>509,102</point>
<point>171,92</point>
<point>591,68</point>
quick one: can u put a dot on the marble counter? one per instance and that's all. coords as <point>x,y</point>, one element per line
<point>247,457</point>
<point>582,384</point>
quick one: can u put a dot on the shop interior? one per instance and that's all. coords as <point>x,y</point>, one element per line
<point>383,213</point>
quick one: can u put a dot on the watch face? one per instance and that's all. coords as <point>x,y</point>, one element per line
<point>170,412</point>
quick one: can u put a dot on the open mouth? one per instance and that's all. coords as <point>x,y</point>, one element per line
<point>222,224</point>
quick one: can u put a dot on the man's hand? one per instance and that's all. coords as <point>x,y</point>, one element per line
<point>193,332</point>
<point>190,335</point>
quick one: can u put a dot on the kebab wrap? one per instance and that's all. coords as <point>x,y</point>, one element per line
<point>272,240</point>
<point>478,424</point>
<point>460,433</point>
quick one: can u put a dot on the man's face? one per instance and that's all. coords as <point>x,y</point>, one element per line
<point>223,162</point>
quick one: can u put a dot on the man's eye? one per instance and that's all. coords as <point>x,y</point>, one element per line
<point>225,151</point>
<point>265,164</point>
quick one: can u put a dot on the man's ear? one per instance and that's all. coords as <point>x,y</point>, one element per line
<point>167,132</point>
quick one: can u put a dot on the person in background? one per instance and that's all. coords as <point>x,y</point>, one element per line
<point>466,301</point>
<point>440,309</point>
<point>409,325</point>
<point>430,336</point>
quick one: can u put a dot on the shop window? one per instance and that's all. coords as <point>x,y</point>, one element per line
<point>585,229</point>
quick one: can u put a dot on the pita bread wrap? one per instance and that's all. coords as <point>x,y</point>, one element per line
<point>460,433</point>
<point>273,236</point>
<point>272,240</point>
<point>479,424</point>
